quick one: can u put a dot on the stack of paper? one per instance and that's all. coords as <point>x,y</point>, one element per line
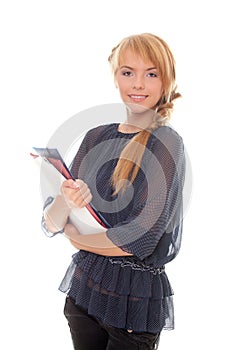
<point>87,220</point>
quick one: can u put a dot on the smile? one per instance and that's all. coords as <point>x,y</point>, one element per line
<point>138,97</point>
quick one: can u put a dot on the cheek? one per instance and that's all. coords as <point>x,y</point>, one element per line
<point>159,86</point>
<point>158,90</point>
<point>122,87</point>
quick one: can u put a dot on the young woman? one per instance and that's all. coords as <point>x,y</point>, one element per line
<point>118,294</point>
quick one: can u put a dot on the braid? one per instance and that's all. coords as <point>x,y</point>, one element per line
<point>130,159</point>
<point>165,106</point>
<point>129,162</point>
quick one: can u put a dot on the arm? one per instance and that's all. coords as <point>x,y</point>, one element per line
<point>56,214</point>
<point>77,194</point>
<point>95,243</point>
<point>73,194</point>
<point>157,206</point>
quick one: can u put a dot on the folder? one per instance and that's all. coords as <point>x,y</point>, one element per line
<point>87,220</point>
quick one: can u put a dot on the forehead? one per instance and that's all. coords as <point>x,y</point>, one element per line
<point>135,60</point>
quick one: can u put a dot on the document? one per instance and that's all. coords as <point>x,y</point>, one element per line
<point>87,220</point>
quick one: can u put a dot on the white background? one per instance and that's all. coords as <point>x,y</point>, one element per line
<point>54,65</point>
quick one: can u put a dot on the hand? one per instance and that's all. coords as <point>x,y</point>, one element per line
<point>76,193</point>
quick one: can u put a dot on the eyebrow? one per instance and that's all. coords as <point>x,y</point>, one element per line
<point>128,67</point>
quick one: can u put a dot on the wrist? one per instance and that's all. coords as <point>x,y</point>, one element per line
<point>56,214</point>
<point>61,202</point>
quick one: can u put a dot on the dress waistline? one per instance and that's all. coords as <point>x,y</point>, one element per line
<point>138,266</point>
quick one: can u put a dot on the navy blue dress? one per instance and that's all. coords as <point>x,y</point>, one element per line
<point>131,292</point>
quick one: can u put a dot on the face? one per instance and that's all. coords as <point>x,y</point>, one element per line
<point>138,82</point>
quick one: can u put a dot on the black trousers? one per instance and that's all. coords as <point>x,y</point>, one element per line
<point>90,334</point>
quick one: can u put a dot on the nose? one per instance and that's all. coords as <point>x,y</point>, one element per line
<point>138,83</point>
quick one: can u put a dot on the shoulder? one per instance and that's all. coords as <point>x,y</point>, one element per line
<point>165,142</point>
<point>97,134</point>
<point>101,130</point>
<point>166,135</point>
<point>167,132</point>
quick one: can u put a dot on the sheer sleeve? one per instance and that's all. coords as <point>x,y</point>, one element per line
<point>158,196</point>
<point>46,231</point>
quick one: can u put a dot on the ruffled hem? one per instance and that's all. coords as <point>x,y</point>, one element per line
<point>117,278</point>
<point>120,296</point>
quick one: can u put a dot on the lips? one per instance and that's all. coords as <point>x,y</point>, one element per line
<point>137,98</point>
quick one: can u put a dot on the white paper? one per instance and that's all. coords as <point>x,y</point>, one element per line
<point>82,219</point>
<point>51,180</point>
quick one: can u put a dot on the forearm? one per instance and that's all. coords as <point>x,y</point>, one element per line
<point>56,215</point>
<point>97,243</point>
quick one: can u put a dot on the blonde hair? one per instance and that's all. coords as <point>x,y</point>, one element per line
<point>150,48</point>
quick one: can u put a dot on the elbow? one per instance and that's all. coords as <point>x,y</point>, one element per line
<point>142,253</point>
<point>51,228</point>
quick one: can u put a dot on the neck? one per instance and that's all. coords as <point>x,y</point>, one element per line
<point>139,118</point>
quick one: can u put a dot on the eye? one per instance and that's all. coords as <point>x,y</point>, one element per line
<point>152,75</point>
<point>127,73</point>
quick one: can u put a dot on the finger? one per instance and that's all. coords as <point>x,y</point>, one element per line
<point>87,196</point>
<point>76,193</point>
<point>78,200</point>
<point>68,187</point>
<point>83,189</point>
<point>70,184</point>
<point>82,197</point>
